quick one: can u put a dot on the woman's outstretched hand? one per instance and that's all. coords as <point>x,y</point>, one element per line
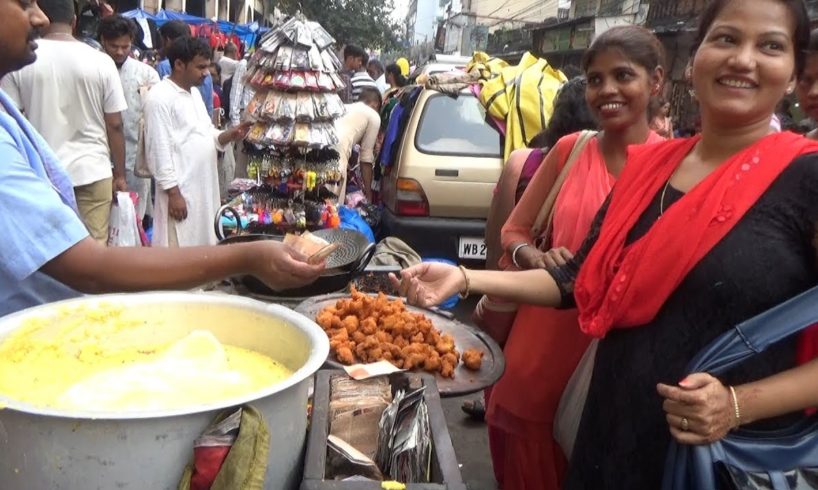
<point>429,284</point>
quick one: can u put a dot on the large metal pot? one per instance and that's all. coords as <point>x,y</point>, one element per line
<point>55,449</point>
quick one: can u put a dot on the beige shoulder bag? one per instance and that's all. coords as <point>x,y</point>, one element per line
<point>543,222</point>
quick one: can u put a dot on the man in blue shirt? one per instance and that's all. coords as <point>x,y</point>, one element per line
<point>169,32</point>
<point>46,253</point>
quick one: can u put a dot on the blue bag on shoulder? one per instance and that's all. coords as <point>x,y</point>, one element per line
<point>784,459</point>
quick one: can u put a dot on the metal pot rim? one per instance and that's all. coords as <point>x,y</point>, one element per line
<point>317,355</point>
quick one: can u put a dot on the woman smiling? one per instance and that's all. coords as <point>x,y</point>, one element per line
<point>698,235</point>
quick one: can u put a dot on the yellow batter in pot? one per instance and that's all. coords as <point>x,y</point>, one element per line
<point>84,359</point>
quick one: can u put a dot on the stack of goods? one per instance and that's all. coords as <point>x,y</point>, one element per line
<point>295,76</point>
<point>355,409</point>
<point>264,210</point>
<point>404,438</point>
<point>375,436</point>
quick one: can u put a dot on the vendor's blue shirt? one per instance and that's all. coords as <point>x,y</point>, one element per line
<point>206,88</point>
<point>38,214</point>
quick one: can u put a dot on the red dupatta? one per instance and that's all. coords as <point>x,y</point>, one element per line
<point>623,286</point>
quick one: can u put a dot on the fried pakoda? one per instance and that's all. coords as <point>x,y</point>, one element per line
<point>367,328</point>
<point>472,359</point>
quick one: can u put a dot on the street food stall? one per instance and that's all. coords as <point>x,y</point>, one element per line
<point>334,385</point>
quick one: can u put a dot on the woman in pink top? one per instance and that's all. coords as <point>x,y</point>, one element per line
<point>624,69</point>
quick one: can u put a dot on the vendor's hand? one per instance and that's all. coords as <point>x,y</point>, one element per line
<point>557,257</point>
<point>704,402</point>
<point>282,267</point>
<point>120,185</point>
<point>429,284</point>
<point>530,258</point>
<point>177,207</point>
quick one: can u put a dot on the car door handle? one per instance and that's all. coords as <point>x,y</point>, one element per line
<point>444,172</point>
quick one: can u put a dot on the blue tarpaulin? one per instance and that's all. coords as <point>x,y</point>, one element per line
<point>138,14</point>
<point>246,32</point>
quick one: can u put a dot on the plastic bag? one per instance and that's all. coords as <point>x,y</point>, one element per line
<point>123,230</point>
<point>351,220</point>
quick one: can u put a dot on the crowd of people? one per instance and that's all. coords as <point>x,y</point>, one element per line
<point>65,120</point>
<point>652,249</point>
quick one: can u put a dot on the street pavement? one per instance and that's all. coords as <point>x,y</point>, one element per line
<point>470,439</point>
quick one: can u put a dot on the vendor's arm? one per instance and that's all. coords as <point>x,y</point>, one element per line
<point>92,268</point>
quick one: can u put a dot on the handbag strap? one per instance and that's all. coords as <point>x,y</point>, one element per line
<point>546,215</point>
<point>753,336</point>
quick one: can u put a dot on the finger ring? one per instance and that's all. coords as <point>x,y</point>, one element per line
<point>685,424</point>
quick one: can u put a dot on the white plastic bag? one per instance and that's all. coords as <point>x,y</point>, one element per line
<point>123,230</point>
<point>572,402</point>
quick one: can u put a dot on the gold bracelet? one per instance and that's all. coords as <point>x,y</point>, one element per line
<point>468,284</point>
<point>735,406</point>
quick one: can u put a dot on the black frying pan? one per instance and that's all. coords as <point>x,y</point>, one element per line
<point>352,258</point>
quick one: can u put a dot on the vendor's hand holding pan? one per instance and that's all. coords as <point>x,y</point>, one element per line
<point>429,284</point>
<point>281,267</point>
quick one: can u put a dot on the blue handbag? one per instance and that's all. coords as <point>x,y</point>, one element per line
<point>784,459</point>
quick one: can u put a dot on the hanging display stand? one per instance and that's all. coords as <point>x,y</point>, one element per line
<point>291,145</point>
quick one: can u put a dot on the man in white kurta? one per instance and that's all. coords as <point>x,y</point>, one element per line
<point>116,34</point>
<point>181,144</point>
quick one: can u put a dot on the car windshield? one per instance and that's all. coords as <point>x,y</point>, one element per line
<point>458,126</point>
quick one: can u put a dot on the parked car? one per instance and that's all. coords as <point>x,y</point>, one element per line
<point>438,191</point>
<point>441,63</point>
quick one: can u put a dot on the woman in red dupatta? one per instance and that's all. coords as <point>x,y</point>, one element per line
<point>698,234</point>
<point>624,68</point>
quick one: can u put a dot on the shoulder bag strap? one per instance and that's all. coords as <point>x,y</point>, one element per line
<point>753,336</point>
<point>546,214</point>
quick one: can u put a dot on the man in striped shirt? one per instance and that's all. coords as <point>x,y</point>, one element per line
<point>355,61</point>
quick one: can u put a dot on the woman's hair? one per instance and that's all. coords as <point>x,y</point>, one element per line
<point>394,70</point>
<point>801,38</point>
<point>571,114</point>
<point>635,42</point>
<point>812,47</point>
<point>655,107</point>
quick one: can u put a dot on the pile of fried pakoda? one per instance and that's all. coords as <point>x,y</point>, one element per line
<point>374,328</point>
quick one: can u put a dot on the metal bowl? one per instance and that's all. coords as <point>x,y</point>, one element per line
<point>60,449</point>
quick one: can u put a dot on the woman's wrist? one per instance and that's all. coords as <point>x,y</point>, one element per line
<point>736,407</point>
<point>465,285</point>
<point>515,252</point>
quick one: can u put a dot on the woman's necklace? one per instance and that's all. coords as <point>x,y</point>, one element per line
<point>662,199</point>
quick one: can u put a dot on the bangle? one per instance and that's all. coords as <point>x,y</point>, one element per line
<point>468,284</point>
<point>735,406</point>
<point>514,253</point>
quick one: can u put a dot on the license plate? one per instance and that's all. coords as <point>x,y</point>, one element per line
<point>472,248</point>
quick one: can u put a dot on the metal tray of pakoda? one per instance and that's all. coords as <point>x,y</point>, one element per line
<point>465,381</point>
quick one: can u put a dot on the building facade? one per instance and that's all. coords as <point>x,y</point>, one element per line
<point>421,21</point>
<point>563,40</point>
